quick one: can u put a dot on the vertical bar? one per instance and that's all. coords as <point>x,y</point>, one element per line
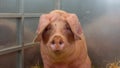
<point>58,4</point>
<point>20,43</point>
<point>20,31</point>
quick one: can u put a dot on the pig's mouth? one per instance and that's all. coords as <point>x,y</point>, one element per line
<point>58,52</point>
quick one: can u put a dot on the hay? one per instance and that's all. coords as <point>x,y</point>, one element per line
<point>115,64</point>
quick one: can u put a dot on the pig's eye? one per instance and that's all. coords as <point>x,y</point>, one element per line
<point>67,27</point>
<point>46,33</point>
<point>68,33</point>
<point>48,28</point>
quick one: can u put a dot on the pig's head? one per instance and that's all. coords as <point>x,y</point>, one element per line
<point>58,30</point>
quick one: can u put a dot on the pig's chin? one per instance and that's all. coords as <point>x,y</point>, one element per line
<point>58,52</point>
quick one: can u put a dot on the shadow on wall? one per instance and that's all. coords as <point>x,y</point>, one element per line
<point>8,38</point>
<point>103,38</point>
<point>7,33</point>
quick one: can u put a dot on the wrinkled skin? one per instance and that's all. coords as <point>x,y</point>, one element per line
<point>62,41</point>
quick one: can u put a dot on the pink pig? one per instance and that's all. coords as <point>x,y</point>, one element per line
<point>62,42</point>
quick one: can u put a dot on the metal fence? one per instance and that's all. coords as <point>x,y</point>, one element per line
<point>21,14</point>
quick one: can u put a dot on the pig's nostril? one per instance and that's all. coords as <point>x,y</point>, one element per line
<point>60,42</point>
<point>53,42</point>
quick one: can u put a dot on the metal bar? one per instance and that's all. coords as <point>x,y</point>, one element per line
<point>10,15</point>
<point>16,48</point>
<point>58,4</point>
<point>20,54</point>
<point>32,14</point>
<point>19,32</point>
<point>20,43</point>
<point>9,49</point>
<point>31,45</point>
<point>19,15</point>
<point>21,6</point>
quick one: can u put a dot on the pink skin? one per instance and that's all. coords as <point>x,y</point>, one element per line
<point>60,46</point>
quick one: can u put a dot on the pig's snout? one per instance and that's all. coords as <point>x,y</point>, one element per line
<point>57,43</point>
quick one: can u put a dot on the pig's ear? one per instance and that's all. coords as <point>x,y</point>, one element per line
<point>75,26</point>
<point>43,22</point>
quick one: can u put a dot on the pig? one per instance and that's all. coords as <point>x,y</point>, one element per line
<point>62,42</point>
